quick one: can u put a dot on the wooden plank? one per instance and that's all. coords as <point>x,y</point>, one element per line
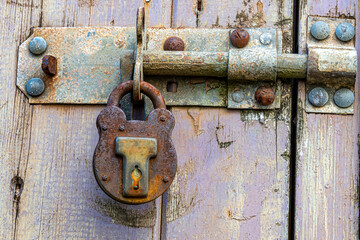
<point>233,175</point>
<point>327,153</point>
<point>232,179</point>
<point>103,13</point>
<point>61,199</point>
<point>16,19</point>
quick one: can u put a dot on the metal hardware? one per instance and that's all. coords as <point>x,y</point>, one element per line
<point>35,87</point>
<point>49,65</point>
<point>266,38</point>
<point>265,95</point>
<point>320,30</point>
<point>239,38</point>
<point>318,97</point>
<point>344,98</point>
<point>174,44</point>
<point>90,54</point>
<point>137,158</point>
<point>345,32</point>
<point>37,45</point>
<point>138,69</point>
<point>136,153</point>
<point>332,65</point>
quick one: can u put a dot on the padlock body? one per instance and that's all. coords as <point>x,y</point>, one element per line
<point>112,170</point>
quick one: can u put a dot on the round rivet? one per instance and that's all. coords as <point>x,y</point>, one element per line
<point>165,179</point>
<point>37,45</point>
<point>237,96</point>
<point>35,87</point>
<point>239,37</point>
<point>104,178</point>
<point>136,187</point>
<point>174,44</point>
<point>345,32</point>
<point>344,98</point>
<point>320,30</point>
<point>265,95</point>
<point>121,128</point>
<point>318,97</point>
<point>104,128</point>
<point>265,38</point>
<point>163,118</point>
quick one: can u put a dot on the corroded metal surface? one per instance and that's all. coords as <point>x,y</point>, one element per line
<point>135,153</point>
<point>242,95</point>
<point>332,64</point>
<point>140,42</point>
<point>112,124</point>
<point>255,62</point>
<point>49,65</point>
<point>265,95</point>
<point>330,106</point>
<point>192,91</point>
<point>88,63</point>
<point>239,38</point>
<point>90,59</point>
<point>174,44</point>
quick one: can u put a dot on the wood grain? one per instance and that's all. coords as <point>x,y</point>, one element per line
<point>16,19</point>
<point>327,177</point>
<point>61,199</point>
<point>233,172</point>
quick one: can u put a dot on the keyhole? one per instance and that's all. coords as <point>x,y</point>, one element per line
<point>136,175</point>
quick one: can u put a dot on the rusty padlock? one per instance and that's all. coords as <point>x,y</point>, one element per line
<point>135,161</point>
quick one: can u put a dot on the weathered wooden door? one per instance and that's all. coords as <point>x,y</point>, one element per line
<point>242,174</point>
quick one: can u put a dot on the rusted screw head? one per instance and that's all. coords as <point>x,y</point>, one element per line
<point>165,179</point>
<point>104,128</point>
<point>174,44</point>
<point>49,65</point>
<point>265,95</point>
<point>121,128</point>
<point>239,38</point>
<point>104,178</point>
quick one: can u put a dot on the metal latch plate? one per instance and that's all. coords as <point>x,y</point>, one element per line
<point>93,61</point>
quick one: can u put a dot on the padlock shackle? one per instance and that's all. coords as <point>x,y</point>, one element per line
<point>149,90</point>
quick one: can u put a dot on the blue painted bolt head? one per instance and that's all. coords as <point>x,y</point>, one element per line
<point>320,30</point>
<point>35,87</point>
<point>318,97</point>
<point>37,45</point>
<point>345,32</point>
<point>344,98</point>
